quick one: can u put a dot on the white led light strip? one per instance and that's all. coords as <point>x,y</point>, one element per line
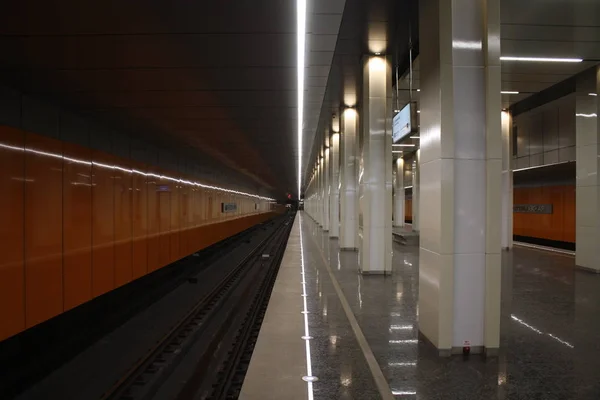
<point>541,59</point>
<point>134,171</point>
<point>301,38</point>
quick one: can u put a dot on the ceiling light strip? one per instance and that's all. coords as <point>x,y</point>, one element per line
<point>301,42</point>
<point>541,59</point>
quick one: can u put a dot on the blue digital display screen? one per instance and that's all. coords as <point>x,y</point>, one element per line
<point>401,124</point>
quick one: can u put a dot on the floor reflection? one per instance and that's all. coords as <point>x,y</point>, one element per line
<point>549,330</point>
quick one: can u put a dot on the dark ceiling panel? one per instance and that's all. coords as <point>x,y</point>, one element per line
<point>217,78</point>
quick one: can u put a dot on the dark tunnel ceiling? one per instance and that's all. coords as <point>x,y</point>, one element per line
<point>218,77</point>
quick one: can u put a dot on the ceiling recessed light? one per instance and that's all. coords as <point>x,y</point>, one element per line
<point>418,90</point>
<point>404,145</point>
<point>542,59</point>
<point>397,151</point>
<point>509,92</point>
<point>593,94</point>
<point>594,115</point>
<point>415,137</point>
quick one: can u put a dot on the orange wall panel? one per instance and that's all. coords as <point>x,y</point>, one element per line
<point>153,222</point>
<point>12,272</point>
<point>175,222</point>
<point>559,226</point>
<point>139,223</point>
<point>43,229</point>
<point>77,225</point>
<point>408,209</point>
<point>103,232</point>
<point>164,243</point>
<point>184,209</point>
<point>123,224</point>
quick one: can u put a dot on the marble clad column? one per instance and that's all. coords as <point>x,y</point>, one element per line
<point>375,178</point>
<point>334,200</point>
<point>326,189</point>
<point>416,190</point>
<point>507,181</point>
<point>349,181</point>
<point>399,193</point>
<point>460,174</point>
<point>587,133</point>
<point>319,198</point>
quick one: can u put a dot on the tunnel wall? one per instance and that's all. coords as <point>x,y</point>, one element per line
<point>78,222</point>
<point>555,229</point>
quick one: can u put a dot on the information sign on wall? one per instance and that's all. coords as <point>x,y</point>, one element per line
<point>228,207</point>
<point>533,208</point>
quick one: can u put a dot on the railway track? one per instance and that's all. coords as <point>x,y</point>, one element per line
<point>205,355</point>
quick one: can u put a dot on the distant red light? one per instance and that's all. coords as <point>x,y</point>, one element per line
<point>289,196</point>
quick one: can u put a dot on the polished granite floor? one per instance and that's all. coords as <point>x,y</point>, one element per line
<point>549,343</point>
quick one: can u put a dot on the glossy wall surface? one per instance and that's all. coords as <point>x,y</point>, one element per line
<point>559,226</point>
<point>408,210</point>
<point>78,223</point>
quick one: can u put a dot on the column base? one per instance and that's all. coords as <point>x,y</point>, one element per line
<point>349,248</point>
<point>455,351</point>
<point>475,350</point>
<point>588,269</point>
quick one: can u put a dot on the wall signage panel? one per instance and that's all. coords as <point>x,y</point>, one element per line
<point>533,208</point>
<point>228,207</point>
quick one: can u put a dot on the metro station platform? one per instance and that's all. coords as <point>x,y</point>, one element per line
<point>364,339</point>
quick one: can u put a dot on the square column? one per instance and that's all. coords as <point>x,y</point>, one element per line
<point>326,190</point>
<point>399,193</point>
<point>349,182</point>
<point>375,174</point>
<point>587,210</point>
<point>319,197</point>
<point>461,174</point>
<point>507,182</point>
<point>416,190</point>
<point>334,199</point>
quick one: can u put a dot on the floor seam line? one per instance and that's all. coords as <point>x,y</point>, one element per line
<point>380,381</point>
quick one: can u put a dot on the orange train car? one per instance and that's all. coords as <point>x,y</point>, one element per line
<point>77,223</point>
